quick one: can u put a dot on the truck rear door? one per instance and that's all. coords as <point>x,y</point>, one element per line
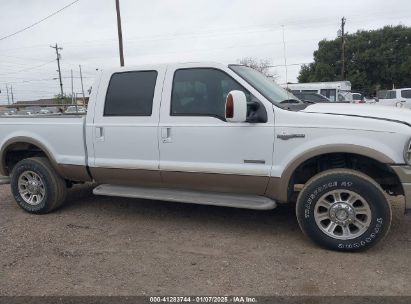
<point>125,139</point>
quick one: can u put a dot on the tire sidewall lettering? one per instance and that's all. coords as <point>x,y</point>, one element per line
<point>380,210</point>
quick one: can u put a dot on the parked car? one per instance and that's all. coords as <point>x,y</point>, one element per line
<point>10,112</point>
<point>400,98</point>
<point>219,135</point>
<point>25,112</point>
<point>29,111</point>
<point>370,100</point>
<point>50,110</point>
<point>311,97</point>
<point>75,109</point>
<point>358,98</point>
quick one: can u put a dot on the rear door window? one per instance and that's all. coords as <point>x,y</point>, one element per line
<point>130,94</point>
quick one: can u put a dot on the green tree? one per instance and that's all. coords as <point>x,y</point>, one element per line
<point>62,99</point>
<point>374,59</point>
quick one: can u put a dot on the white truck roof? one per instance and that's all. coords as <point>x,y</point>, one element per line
<point>343,85</point>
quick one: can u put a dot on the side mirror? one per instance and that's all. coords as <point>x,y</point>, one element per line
<point>236,107</point>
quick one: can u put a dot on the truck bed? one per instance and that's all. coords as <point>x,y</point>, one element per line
<point>61,135</point>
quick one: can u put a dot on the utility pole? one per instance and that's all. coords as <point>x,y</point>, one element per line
<point>8,97</point>
<point>72,87</point>
<point>58,65</point>
<point>285,58</point>
<point>82,87</point>
<point>343,48</point>
<point>12,96</point>
<point>120,34</point>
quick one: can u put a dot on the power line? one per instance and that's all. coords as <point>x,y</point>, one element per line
<point>217,30</point>
<point>290,64</point>
<point>34,24</point>
<point>28,81</point>
<point>34,67</point>
<point>22,80</point>
<point>27,69</point>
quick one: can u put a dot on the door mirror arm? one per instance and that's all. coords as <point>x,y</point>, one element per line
<point>256,112</point>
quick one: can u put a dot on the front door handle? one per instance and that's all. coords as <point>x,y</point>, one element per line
<point>166,135</point>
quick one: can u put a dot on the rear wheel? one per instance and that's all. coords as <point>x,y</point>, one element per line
<point>36,186</point>
<point>343,210</point>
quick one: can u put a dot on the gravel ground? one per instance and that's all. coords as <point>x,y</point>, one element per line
<point>113,246</point>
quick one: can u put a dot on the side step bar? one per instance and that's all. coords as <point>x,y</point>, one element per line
<point>194,197</point>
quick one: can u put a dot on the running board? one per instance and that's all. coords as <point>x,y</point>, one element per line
<point>194,197</point>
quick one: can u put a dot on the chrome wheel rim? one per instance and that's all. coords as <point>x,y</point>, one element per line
<point>342,214</point>
<point>31,188</point>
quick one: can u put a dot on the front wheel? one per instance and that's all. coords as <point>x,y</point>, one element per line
<point>343,210</point>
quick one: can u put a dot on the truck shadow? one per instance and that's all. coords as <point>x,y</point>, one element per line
<point>81,200</point>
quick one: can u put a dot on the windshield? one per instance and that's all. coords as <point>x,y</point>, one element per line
<point>265,86</point>
<point>314,97</point>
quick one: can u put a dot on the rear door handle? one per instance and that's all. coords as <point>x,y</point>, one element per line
<point>100,133</point>
<point>166,135</point>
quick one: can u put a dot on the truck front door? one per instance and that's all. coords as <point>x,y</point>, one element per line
<point>199,150</point>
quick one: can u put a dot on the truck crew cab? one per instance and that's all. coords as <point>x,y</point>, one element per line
<point>223,135</point>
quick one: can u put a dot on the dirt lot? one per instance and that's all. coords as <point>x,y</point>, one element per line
<point>112,246</point>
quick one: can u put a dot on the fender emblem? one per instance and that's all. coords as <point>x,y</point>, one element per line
<point>285,136</point>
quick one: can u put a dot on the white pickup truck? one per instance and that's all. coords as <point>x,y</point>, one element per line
<point>208,133</point>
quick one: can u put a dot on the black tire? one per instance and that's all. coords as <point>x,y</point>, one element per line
<point>322,189</point>
<point>54,189</point>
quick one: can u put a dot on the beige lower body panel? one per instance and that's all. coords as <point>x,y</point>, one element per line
<point>215,182</point>
<point>127,177</point>
<point>74,173</point>
<point>212,182</point>
<point>404,175</point>
<point>277,189</point>
<point>229,183</point>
